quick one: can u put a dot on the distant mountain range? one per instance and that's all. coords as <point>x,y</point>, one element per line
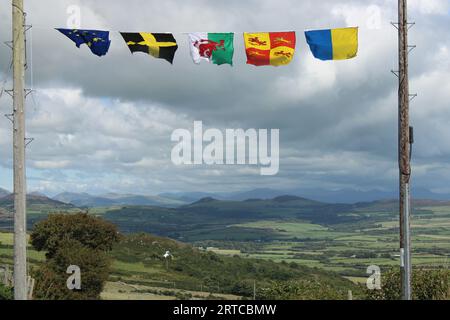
<point>208,218</point>
<point>34,200</point>
<point>176,199</point>
<point>114,199</point>
<point>322,195</point>
<point>4,193</point>
<point>213,219</point>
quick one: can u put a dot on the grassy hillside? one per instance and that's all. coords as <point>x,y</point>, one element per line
<point>348,248</point>
<point>35,201</point>
<point>38,207</point>
<point>139,260</point>
<point>139,270</point>
<point>211,219</point>
<point>340,238</point>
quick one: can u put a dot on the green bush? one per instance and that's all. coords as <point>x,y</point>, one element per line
<point>51,277</point>
<point>91,232</point>
<point>426,285</point>
<point>79,240</point>
<point>300,290</point>
<point>6,293</point>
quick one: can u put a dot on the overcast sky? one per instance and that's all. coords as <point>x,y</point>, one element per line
<point>104,124</point>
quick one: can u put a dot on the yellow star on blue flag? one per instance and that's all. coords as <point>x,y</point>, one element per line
<point>97,41</point>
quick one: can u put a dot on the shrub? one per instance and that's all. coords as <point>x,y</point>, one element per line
<point>426,285</point>
<point>300,290</point>
<point>51,277</point>
<point>91,232</point>
<point>79,240</point>
<point>6,293</point>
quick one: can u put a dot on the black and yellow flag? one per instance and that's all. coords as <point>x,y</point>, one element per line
<point>158,45</point>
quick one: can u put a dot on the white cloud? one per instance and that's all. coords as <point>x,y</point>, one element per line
<point>51,164</point>
<point>104,124</point>
<point>312,77</point>
<point>436,7</point>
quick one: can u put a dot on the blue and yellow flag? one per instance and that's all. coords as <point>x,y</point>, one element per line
<point>98,41</point>
<point>333,44</point>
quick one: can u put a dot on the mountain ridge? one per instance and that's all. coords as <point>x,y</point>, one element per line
<point>34,199</point>
<point>115,199</point>
<point>179,198</point>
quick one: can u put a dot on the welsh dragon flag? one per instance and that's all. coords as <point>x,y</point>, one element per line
<point>212,47</point>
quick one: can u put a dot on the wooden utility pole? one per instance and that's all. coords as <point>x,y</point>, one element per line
<point>20,234</point>
<point>404,149</point>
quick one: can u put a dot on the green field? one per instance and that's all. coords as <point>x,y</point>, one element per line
<point>139,271</point>
<point>349,248</point>
<point>284,233</point>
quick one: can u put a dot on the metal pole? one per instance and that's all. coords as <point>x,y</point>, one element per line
<point>404,149</point>
<point>407,240</point>
<point>20,242</point>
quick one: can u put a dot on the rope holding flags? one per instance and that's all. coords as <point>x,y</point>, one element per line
<point>262,49</point>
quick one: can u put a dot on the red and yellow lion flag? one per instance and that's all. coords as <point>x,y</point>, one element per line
<point>270,48</point>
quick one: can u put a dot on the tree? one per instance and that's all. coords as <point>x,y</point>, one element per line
<point>51,278</point>
<point>79,240</point>
<point>91,232</point>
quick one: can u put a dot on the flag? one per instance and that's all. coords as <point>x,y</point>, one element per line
<point>270,48</point>
<point>158,45</point>
<point>333,44</point>
<point>217,48</point>
<point>98,41</point>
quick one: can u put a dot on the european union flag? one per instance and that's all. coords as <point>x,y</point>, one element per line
<point>97,41</point>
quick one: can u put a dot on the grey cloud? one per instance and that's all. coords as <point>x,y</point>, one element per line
<point>337,120</point>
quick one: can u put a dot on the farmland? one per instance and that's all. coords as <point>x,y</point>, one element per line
<point>350,248</point>
<point>140,272</point>
<point>287,231</point>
